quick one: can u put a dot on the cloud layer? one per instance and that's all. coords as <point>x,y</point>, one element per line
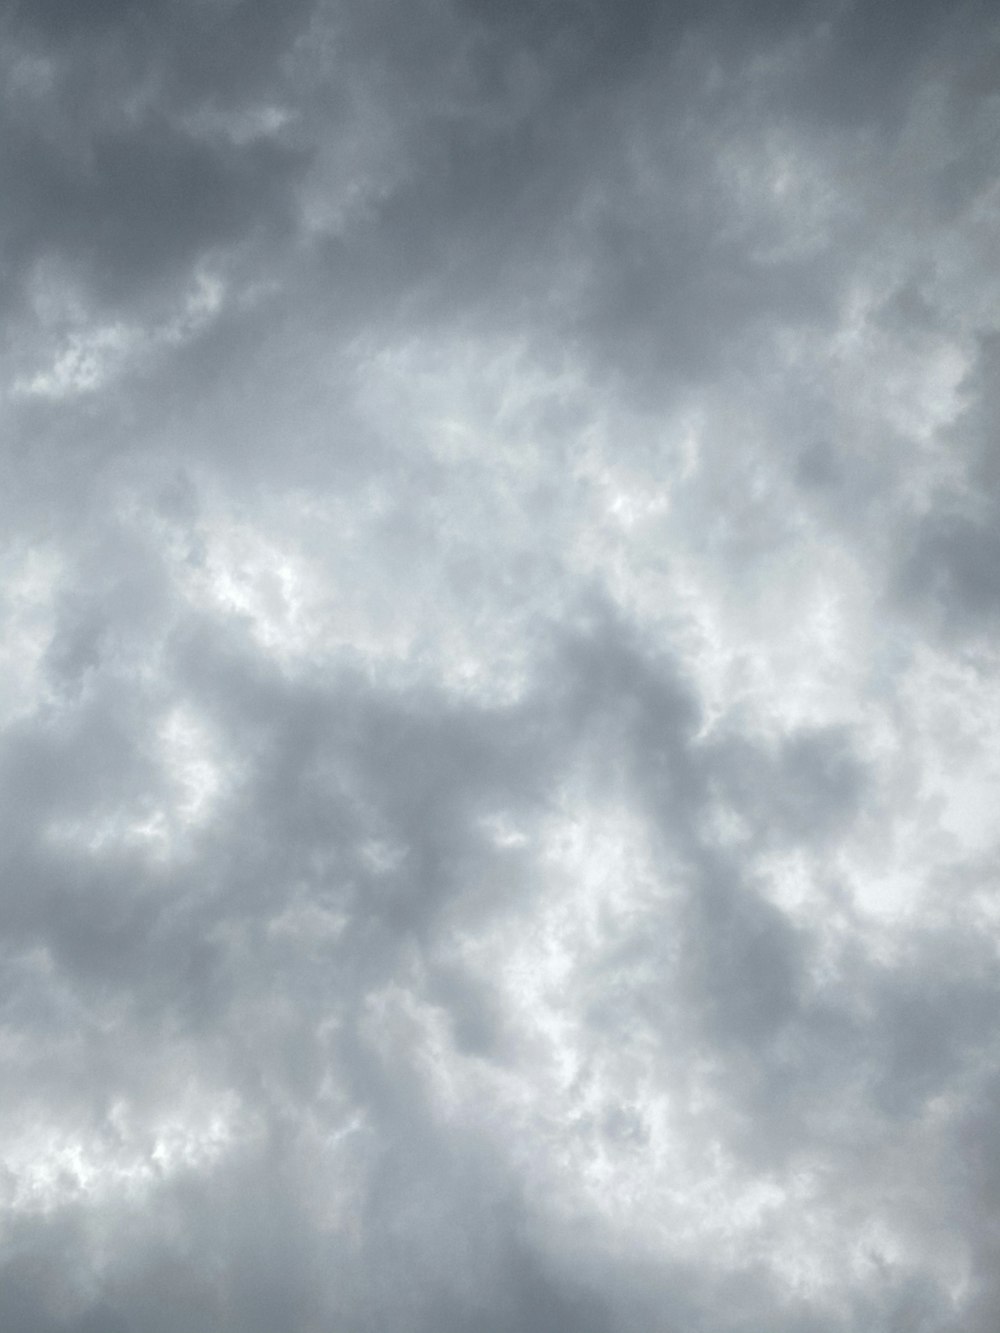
<point>500,698</point>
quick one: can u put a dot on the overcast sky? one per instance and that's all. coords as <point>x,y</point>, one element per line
<point>500,682</point>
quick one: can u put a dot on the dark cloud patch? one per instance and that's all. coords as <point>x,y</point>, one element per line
<point>808,790</point>
<point>58,20</point>
<point>122,172</point>
<point>955,563</point>
<point>933,1028</point>
<point>220,50</point>
<point>744,959</point>
<point>950,561</point>
<point>144,206</point>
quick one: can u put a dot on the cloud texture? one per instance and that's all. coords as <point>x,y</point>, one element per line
<point>500,698</point>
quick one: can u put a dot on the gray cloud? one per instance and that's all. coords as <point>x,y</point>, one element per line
<point>498,711</point>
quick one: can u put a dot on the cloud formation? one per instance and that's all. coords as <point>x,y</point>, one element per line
<point>500,693</point>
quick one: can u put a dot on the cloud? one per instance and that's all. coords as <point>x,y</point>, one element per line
<point>499,693</point>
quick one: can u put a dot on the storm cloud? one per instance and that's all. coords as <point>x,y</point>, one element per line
<point>500,692</point>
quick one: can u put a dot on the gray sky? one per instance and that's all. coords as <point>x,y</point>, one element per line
<point>500,685</point>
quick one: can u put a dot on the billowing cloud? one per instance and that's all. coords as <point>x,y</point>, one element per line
<point>500,668</point>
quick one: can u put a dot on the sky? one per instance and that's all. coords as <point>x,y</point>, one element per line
<point>499,666</point>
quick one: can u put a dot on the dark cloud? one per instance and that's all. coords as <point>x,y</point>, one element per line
<point>499,692</point>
